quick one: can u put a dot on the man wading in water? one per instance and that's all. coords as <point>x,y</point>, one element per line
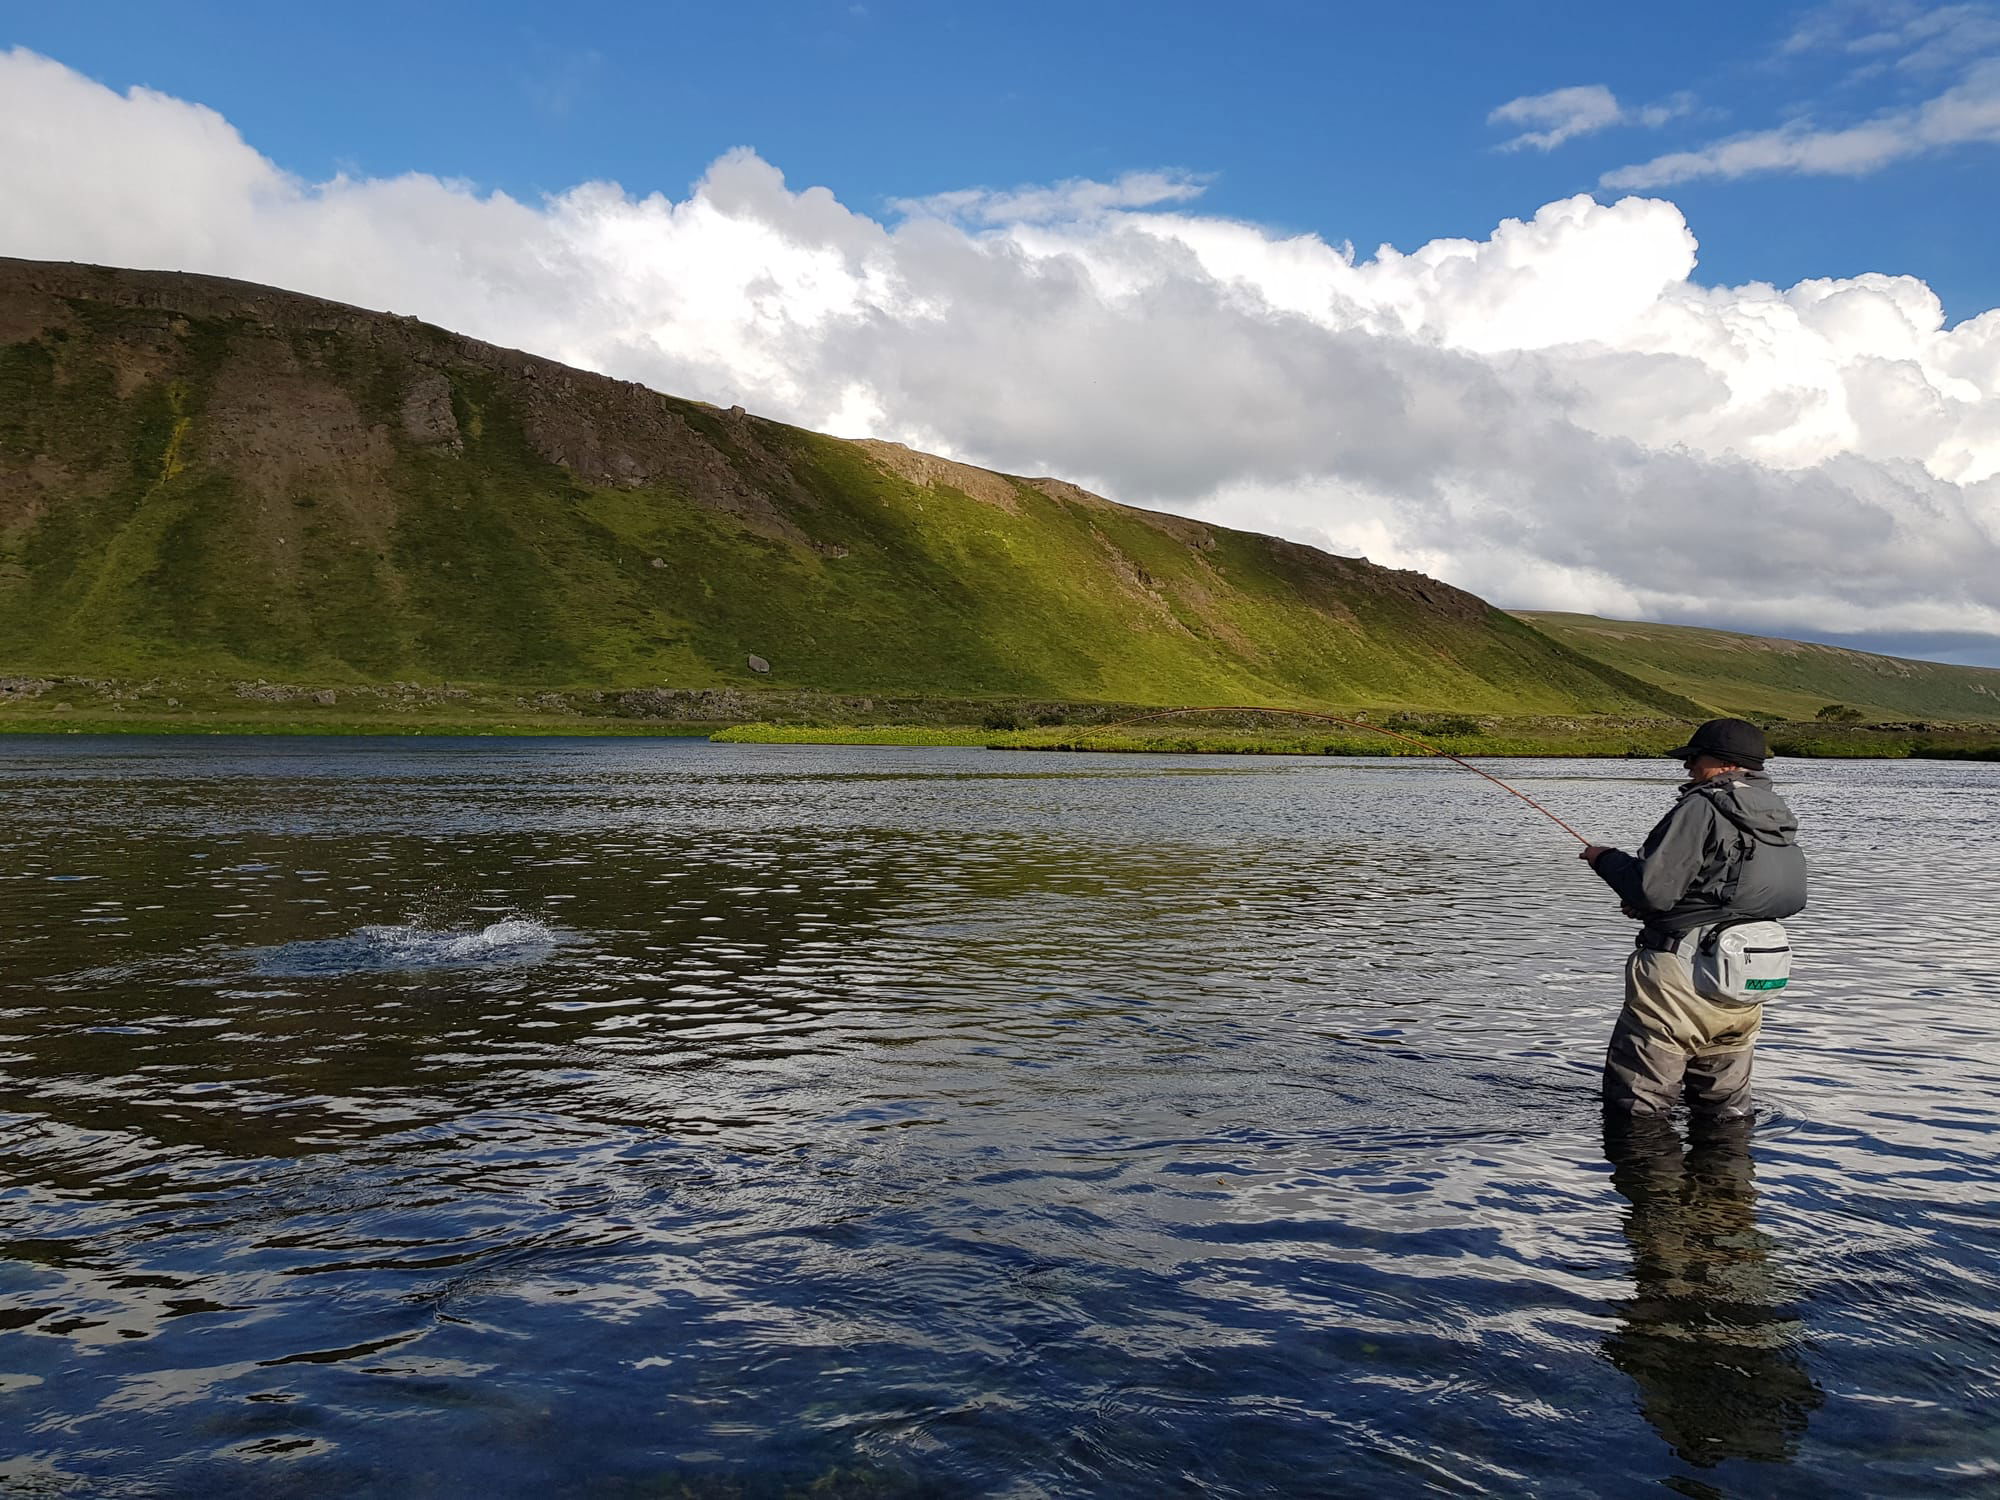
<point>1727,852</point>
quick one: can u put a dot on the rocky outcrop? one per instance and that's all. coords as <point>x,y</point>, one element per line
<point>928,469</point>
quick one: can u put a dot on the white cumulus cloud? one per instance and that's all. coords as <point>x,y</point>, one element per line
<point>1554,415</point>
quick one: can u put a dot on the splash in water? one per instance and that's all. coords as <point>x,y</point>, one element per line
<point>382,949</point>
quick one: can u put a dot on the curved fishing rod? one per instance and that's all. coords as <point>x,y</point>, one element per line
<point>1300,713</point>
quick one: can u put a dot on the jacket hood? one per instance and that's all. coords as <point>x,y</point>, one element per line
<point>1747,799</point>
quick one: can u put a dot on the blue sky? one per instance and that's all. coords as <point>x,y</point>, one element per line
<point>1360,123</point>
<point>1692,313</point>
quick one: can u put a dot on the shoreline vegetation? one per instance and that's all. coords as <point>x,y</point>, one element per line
<point>1504,739</point>
<point>75,705</point>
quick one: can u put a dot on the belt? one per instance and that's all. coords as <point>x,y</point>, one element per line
<point>1655,940</point>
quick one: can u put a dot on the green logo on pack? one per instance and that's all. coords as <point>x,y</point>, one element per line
<point>1764,984</point>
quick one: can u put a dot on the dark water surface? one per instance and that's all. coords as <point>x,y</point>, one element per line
<point>663,1118</point>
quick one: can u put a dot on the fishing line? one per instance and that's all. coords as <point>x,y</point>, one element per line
<point>1300,713</point>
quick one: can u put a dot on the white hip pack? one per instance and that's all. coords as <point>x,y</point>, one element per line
<point>1742,963</point>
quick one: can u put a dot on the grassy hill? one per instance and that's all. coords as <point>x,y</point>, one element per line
<point>205,480</point>
<point>1762,676</point>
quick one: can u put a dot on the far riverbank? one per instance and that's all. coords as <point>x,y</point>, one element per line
<point>1516,738</point>
<point>81,705</point>
<point>1486,738</point>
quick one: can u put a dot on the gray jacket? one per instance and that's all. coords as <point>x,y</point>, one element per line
<point>1729,848</point>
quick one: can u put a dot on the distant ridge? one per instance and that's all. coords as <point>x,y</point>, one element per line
<point>201,476</point>
<point>1730,672</point>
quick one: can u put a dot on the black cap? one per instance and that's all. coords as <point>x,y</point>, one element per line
<point>1737,741</point>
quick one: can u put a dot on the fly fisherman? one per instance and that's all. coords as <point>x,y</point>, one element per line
<point>1727,852</point>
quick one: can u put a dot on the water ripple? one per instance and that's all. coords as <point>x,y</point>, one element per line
<point>388,1119</point>
<point>403,947</point>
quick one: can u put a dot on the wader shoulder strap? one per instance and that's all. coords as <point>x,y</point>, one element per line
<point>1746,849</point>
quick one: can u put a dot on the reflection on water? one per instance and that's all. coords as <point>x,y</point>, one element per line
<point>1712,1335</point>
<point>584,1118</point>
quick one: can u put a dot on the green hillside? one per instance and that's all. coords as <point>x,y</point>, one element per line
<point>1761,675</point>
<point>207,479</point>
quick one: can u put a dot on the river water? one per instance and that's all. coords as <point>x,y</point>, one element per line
<point>549,1118</point>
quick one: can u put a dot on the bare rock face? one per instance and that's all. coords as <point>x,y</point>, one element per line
<point>428,419</point>
<point>278,411</point>
<point>695,704</point>
<point>615,432</point>
<point>930,470</point>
